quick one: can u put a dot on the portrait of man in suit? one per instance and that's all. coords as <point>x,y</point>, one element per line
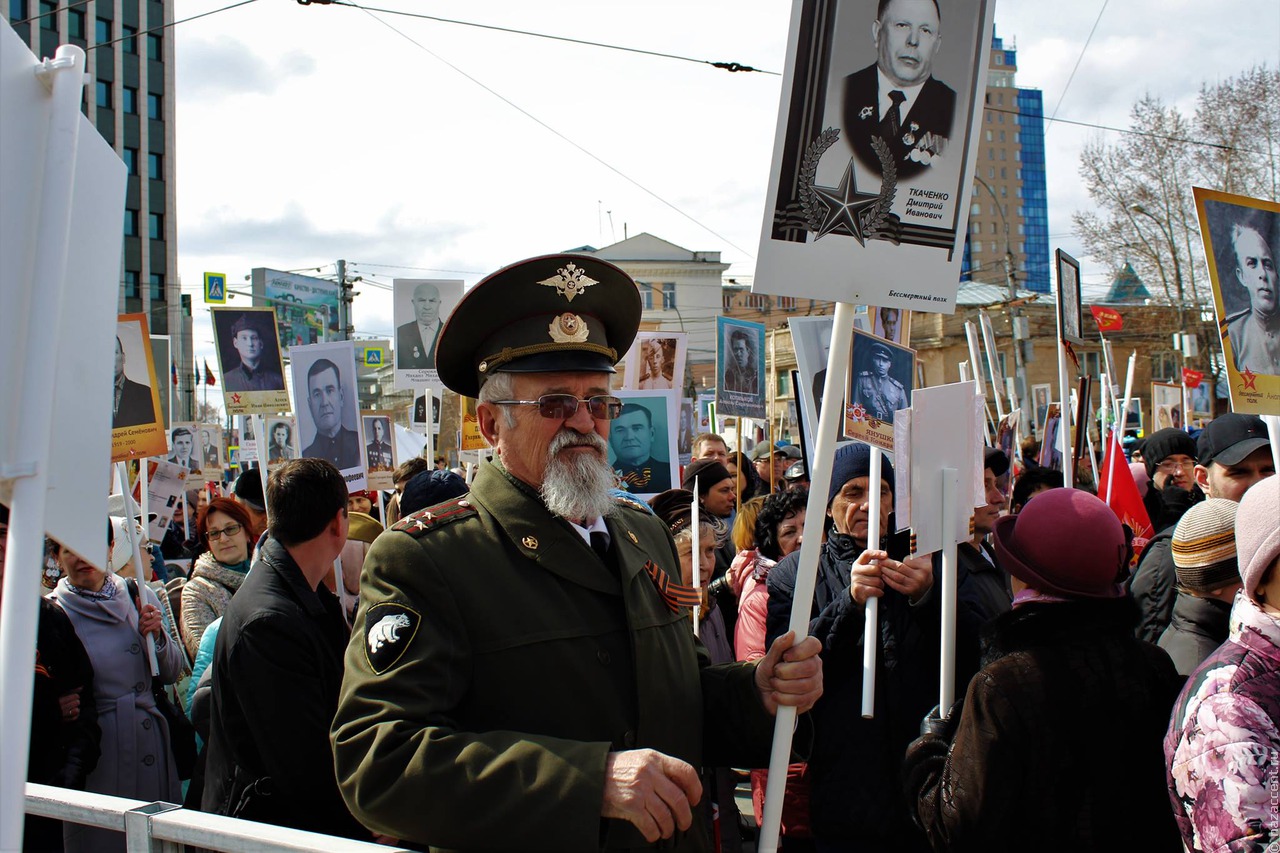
<point>184,445</point>
<point>132,400</point>
<point>898,100</point>
<point>416,341</point>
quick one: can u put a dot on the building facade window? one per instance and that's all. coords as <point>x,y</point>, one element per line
<point>102,93</point>
<point>129,100</point>
<point>129,36</point>
<point>155,226</point>
<point>668,295</point>
<point>156,287</point>
<point>154,106</point>
<point>155,47</point>
<point>48,15</point>
<point>130,223</point>
<point>102,30</point>
<point>18,10</point>
<point>75,23</point>
<point>131,284</point>
<point>155,166</point>
<point>130,158</point>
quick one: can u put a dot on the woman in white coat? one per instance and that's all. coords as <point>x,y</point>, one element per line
<point>136,760</point>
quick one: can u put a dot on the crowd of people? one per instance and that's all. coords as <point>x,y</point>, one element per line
<point>511,663</point>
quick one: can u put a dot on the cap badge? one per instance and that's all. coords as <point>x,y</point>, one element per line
<point>530,542</point>
<point>569,281</point>
<point>568,329</point>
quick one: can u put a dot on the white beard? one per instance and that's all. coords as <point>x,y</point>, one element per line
<point>578,488</point>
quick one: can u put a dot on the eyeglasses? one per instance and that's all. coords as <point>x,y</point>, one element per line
<point>1169,467</point>
<point>229,530</point>
<point>563,406</point>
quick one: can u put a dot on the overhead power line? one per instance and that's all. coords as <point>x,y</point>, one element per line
<point>1079,59</point>
<point>726,66</point>
<point>169,25</point>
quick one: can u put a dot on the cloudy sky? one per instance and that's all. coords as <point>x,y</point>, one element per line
<point>415,148</point>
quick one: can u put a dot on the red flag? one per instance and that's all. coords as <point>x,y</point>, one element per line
<point>1124,500</point>
<point>1192,378</point>
<point>1108,319</point>
<point>208,374</point>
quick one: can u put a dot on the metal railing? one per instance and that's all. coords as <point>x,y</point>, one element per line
<point>168,828</point>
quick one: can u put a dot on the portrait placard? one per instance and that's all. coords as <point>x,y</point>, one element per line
<point>471,438</point>
<point>946,432</point>
<point>642,442</point>
<point>282,440</point>
<point>165,482</point>
<point>418,420</point>
<point>248,440</point>
<point>1050,446</point>
<point>892,324</point>
<point>184,449</point>
<point>1041,394</point>
<point>306,307</point>
<point>326,407</point>
<point>880,381</point>
<point>686,432</point>
<point>379,450</point>
<point>866,184</point>
<point>1166,406</point>
<point>740,376</point>
<point>250,361</point>
<point>419,308</point>
<point>1201,398</point>
<point>811,338</point>
<point>211,452</point>
<point>1070,316</point>
<point>137,426</point>
<point>1241,241</point>
<point>656,361</point>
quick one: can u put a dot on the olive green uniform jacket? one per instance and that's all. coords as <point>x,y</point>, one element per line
<point>497,660</point>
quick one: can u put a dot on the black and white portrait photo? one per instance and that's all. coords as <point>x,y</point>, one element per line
<point>642,442</point>
<point>1070,316</point>
<point>881,377</point>
<point>136,417</point>
<point>876,136</point>
<point>379,452</point>
<point>419,309</point>
<point>892,324</point>
<point>418,421</point>
<point>183,440</point>
<point>250,360</point>
<point>655,361</point>
<point>326,407</point>
<point>740,368</point>
<point>211,454</point>
<point>281,440</point>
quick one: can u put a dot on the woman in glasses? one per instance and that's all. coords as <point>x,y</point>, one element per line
<point>223,527</point>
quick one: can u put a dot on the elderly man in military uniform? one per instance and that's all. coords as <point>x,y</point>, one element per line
<point>522,673</point>
<point>878,392</point>
<point>1255,332</point>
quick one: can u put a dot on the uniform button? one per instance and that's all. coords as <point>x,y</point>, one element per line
<point>149,760</point>
<point>139,687</point>
<point>603,657</point>
<point>629,739</point>
<point>146,724</point>
<point>134,649</point>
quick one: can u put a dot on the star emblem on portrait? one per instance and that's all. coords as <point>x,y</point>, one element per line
<point>1250,380</point>
<point>235,398</point>
<point>569,281</point>
<point>845,206</point>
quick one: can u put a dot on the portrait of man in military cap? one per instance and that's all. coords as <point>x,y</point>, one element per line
<point>251,351</point>
<point>882,374</point>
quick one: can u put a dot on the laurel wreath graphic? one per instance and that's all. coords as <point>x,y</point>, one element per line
<point>808,170</point>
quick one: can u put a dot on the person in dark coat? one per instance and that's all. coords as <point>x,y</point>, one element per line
<point>852,762</point>
<point>1204,554</point>
<point>1058,745</point>
<point>277,666</point>
<point>1170,457</point>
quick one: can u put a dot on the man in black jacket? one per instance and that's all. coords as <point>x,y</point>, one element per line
<point>853,804</point>
<point>277,666</point>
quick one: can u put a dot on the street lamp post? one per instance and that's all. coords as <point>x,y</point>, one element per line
<point>1011,281</point>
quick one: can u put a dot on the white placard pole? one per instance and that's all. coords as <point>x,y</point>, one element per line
<point>1121,418</point>
<point>993,365</point>
<point>25,548</point>
<point>1012,391</point>
<point>260,449</point>
<point>696,562</point>
<point>807,569</point>
<point>144,486</point>
<point>871,616</point>
<point>1064,422</point>
<point>122,474</point>
<point>429,431</point>
<point>186,515</point>
<point>947,683</point>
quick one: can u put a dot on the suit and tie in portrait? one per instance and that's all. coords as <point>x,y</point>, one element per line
<point>416,341</point>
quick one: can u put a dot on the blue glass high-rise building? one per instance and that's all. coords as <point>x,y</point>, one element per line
<point>1009,212</point>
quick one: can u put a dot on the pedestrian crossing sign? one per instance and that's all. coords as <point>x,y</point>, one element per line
<point>215,287</point>
<point>373,356</point>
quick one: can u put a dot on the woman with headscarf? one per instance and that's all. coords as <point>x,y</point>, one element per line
<point>136,761</point>
<point>1224,738</point>
<point>225,527</point>
<point>1058,739</point>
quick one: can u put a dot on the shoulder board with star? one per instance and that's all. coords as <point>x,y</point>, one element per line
<point>631,502</point>
<point>431,518</point>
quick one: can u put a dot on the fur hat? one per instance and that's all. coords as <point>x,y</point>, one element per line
<point>1067,543</point>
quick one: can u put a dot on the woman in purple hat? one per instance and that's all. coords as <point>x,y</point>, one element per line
<point>1057,745</point>
<point>1223,746</point>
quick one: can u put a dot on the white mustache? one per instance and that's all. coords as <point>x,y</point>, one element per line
<point>567,438</point>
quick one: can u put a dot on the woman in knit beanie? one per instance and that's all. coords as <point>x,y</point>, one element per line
<point>1224,737</point>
